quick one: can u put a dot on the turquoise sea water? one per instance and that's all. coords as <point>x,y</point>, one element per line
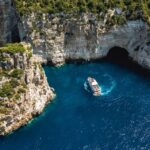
<point>75,120</point>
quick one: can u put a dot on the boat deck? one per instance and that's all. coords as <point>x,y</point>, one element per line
<point>94,86</point>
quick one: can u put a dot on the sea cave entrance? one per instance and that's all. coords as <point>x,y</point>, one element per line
<point>118,55</point>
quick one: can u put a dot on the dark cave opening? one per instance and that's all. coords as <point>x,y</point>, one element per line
<point>116,55</point>
<point>120,56</point>
<point>15,37</point>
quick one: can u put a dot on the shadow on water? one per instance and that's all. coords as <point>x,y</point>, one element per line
<point>119,56</point>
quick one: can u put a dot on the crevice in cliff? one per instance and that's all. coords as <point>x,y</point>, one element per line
<point>15,37</point>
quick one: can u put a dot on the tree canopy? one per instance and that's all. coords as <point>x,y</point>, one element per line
<point>132,7</point>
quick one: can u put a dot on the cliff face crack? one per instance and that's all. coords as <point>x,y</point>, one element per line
<point>15,37</point>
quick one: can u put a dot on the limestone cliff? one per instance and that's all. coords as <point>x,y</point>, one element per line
<point>57,38</point>
<point>24,90</point>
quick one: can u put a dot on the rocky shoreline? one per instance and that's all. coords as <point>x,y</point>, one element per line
<point>24,121</point>
<point>56,39</point>
<point>24,90</point>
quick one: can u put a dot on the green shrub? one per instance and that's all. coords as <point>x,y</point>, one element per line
<point>4,73</point>
<point>17,73</point>
<point>30,54</point>
<point>7,90</point>
<point>13,48</point>
<point>24,85</point>
<point>14,83</point>
<point>4,110</point>
<point>71,6</point>
<point>17,96</point>
<point>118,20</point>
<point>21,90</point>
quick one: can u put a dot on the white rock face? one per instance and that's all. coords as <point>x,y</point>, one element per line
<point>86,38</point>
<point>36,91</point>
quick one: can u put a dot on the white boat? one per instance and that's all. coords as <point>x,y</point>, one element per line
<point>93,85</point>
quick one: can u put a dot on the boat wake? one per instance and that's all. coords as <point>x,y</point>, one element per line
<point>86,87</point>
<point>105,89</point>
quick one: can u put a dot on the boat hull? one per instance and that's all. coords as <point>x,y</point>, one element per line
<point>94,89</point>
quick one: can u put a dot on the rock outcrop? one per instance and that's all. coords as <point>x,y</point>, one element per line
<point>60,38</point>
<point>24,90</point>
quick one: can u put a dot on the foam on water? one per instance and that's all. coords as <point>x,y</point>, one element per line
<point>105,89</point>
<point>108,88</point>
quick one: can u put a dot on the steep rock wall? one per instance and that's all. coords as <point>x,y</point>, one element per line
<point>57,38</point>
<point>24,90</point>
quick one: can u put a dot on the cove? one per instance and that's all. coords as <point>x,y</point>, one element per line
<point>75,120</point>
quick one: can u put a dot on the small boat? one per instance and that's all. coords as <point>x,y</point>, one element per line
<point>94,87</point>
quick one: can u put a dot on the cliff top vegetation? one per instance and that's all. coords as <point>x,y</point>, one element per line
<point>13,48</point>
<point>132,8</point>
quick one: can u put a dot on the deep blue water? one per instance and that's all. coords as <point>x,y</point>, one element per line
<point>117,120</point>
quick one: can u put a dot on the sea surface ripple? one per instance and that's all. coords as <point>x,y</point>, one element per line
<point>76,120</point>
